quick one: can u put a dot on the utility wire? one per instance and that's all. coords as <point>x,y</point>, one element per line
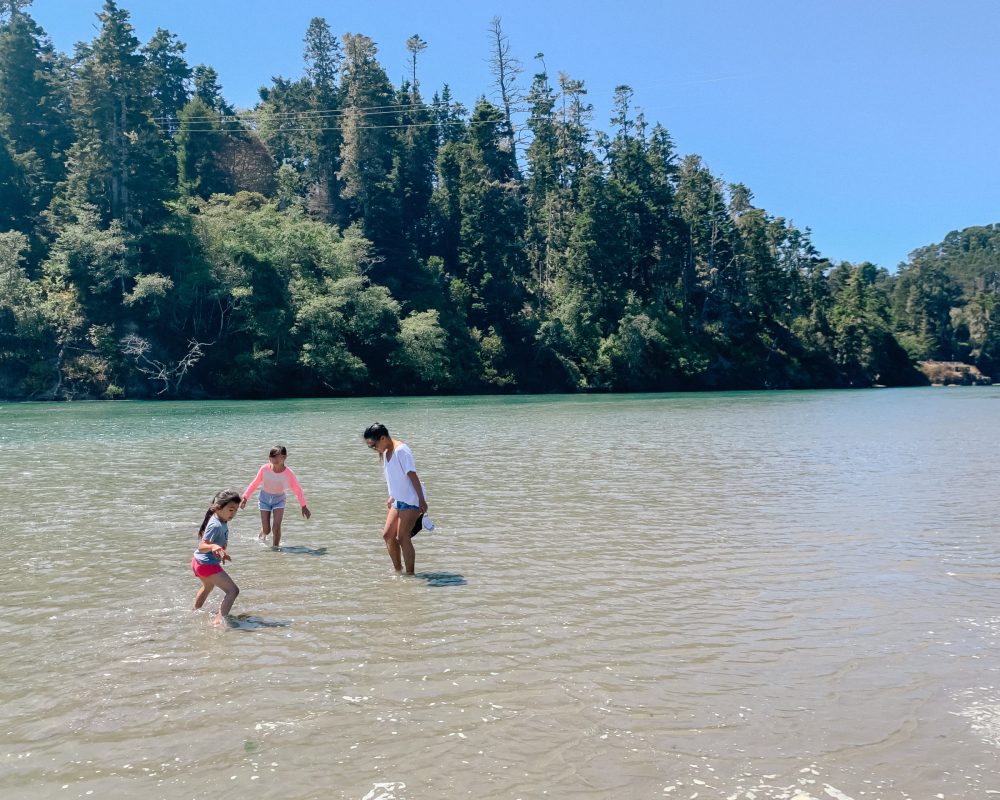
<point>187,129</point>
<point>387,109</point>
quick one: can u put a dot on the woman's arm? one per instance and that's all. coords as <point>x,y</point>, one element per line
<point>412,475</point>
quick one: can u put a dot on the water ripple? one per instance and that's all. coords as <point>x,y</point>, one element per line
<point>729,596</point>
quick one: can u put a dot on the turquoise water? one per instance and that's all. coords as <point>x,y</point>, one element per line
<point>769,595</point>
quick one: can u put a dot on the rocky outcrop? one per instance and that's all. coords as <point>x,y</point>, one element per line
<point>953,373</point>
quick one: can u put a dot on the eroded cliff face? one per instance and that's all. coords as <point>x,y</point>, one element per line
<point>953,372</point>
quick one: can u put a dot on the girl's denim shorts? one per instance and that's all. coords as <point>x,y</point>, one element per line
<point>270,502</point>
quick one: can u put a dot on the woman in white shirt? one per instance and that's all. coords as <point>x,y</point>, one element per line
<point>406,501</point>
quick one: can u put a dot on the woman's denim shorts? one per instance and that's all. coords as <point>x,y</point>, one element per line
<point>401,506</point>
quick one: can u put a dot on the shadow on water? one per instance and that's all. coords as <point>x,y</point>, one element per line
<point>441,578</point>
<point>301,550</point>
<point>248,622</point>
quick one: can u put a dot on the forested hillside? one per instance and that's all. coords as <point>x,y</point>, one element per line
<point>350,236</point>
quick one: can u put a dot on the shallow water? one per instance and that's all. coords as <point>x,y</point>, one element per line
<point>747,595</point>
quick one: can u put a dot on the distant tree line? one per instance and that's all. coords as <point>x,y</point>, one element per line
<point>349,236</point>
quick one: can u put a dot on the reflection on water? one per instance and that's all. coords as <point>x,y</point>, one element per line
<point>298,549</point>
<point>441,578</point>
<point>248,622</point>
<point>756,595</point>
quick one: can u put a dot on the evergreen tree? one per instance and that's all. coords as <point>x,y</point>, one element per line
<point>11,8</point>
<point>707,243</point>
<point>506,70</point>
<point>863,344</point>
<point>199,146</point>
<point>208,89</point>
<point>491,259</point>
<point>323,57</point>
<point>368,151</point>
<point>407,247</point>
<point>445,212</point>
<point>25,334</point>
<point>34,128</point>
<point>167,77</point>
<point>415,46</point>
<point>923,297</point>
<point>286,123</point>
<point>978,329</point>
<point>413,169</point>
<point>641,172</point>
<point>16,211</point>
<point>120,162</point>
<point>546,212</point>
<point>450,117</point>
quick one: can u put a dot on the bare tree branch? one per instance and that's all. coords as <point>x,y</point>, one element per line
<point>170,375</point>
<point>506,69</point>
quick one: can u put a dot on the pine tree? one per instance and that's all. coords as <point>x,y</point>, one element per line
<point>323,57</point>
<point>707,240</point>
<point>16,212</point>
<point>167,77</point>
<point>546,214</point>
<point>413,168</point>
<point>11,8</point>
<point>199,143</point>
<point>923,297</point>
<point>506,71</point>
<point>492,264</point>
<point>120,162</point>
<point>322,138</point>
<point>367,155</point>
<point>33,118</point>
<point>209,90</point>
<point>450,117</point>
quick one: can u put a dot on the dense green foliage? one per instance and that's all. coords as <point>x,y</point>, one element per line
<point>349,236</point>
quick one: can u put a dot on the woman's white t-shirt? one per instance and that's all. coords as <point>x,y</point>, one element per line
<point>396,477</point>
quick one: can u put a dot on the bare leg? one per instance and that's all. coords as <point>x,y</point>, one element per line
<point>203,593</point>
<point>265,524</point>
<point>404,524</point>
<point>232,592</point>
<point>279,513</point>
<point>389,535</point>
<point>224,582</point>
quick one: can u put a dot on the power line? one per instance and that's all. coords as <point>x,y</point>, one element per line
<point>433,124</point>
<point>261,118</point>
<point>382,109</point>
<point>385,109</point>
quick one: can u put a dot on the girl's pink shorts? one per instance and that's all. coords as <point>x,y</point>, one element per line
<point>204,570</point>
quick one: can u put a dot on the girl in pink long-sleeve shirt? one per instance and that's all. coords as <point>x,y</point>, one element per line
<point>274,480</point>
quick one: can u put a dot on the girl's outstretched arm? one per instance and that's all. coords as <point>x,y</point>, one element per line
<point>293,484</point>
<point>253,486</point>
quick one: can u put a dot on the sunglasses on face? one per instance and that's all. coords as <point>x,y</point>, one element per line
<point>371,445</point>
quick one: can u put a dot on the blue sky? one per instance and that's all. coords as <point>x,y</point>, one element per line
<point>872,122</point>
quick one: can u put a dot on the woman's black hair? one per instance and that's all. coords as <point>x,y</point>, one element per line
<point>277,450</point>
<point>375,431</point>
<point>220,501</point>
